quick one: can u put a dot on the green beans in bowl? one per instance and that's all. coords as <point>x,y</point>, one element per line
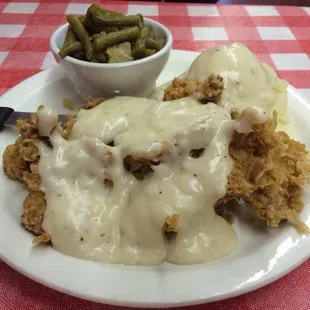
<point>104,62</point>
<point>106,36</point>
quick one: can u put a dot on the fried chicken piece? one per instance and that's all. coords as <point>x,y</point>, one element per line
<point>140,167</point>
<point>209,90</point>
<point>226,210</point>
<point>140,162</point>
<point>29,150</point>
<point>32,178</point>
<point>180,89</point>
<point>270,171</point>
<point>172,222</point>
<point>71,119</point>
<point>34,208</point>
<point>93,102</point>
<point>108,183</point>
<point>234,114</point>
<point>13,162</point>
<point>18,156</point>
<point>44,238</point>
<point>27,128</point>
<point>20,161</point>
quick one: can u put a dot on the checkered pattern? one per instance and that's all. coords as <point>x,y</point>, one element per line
<point>279,36</point>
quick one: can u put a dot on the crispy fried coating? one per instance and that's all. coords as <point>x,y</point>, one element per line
<point>20,162</point>
<point>93,102</point>
<point>139,167</point>
<point>172,223</point>
<point>71,119</point>
<point>34,208</point>
<point>29,150</point>
<point>27,128</point>
<point>270,171</point>
<point>44,238</point>
<point>18,156</point>
<point>209,90</point>
<point>32,178</point>
<point>13,162</point>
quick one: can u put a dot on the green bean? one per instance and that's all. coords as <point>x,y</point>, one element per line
<point>149,52</point>
<point>95,36</point>
<point>152,44</point>
<point>140,45</point>
<point>112,38</point>
<point>88,22</point>
<point>70,37</point>
<point>138,53</point>
<point>82,19</point>
<point>73,48</point>
<point>144,34</point>
<point>82,34</point>
<point>96,9</point>
<point>152,34</point>
<point>111,13</point>
<point>93,9</point>
<point>109,29</point>
<point>142,53</point>
<point>161,43</point>
<point>107,36</point>
<point>133,20</point>
<point>94,27</point>
<point>141,24</point>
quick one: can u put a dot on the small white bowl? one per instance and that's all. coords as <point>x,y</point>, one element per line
<point>136,78</point>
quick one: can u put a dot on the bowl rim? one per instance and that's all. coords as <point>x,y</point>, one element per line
<point>165,49</point>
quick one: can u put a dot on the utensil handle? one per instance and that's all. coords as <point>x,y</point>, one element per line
<point>5,113</point>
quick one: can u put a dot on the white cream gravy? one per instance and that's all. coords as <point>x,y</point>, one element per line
<point>247,81</point>
<point>124,224</point>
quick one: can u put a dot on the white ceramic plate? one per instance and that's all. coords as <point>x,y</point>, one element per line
<point>263,255</point>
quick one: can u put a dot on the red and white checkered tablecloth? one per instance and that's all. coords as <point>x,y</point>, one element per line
<point>279,36</point>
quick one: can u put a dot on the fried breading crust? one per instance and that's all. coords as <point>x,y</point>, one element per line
<point>45,237</point>
<point>34,208</point>
<point>209,90</point>
<point>32,178</point>
<point>270,171</point>
<point>93,102</point>
<point>71,119</point>
<point>172,223</point>
<point>20,162</point>
<point>13,162</point>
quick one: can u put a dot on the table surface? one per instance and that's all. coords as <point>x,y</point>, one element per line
<point>279,36</point>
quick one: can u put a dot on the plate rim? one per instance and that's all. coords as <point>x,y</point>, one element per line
<point>58,73</point>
